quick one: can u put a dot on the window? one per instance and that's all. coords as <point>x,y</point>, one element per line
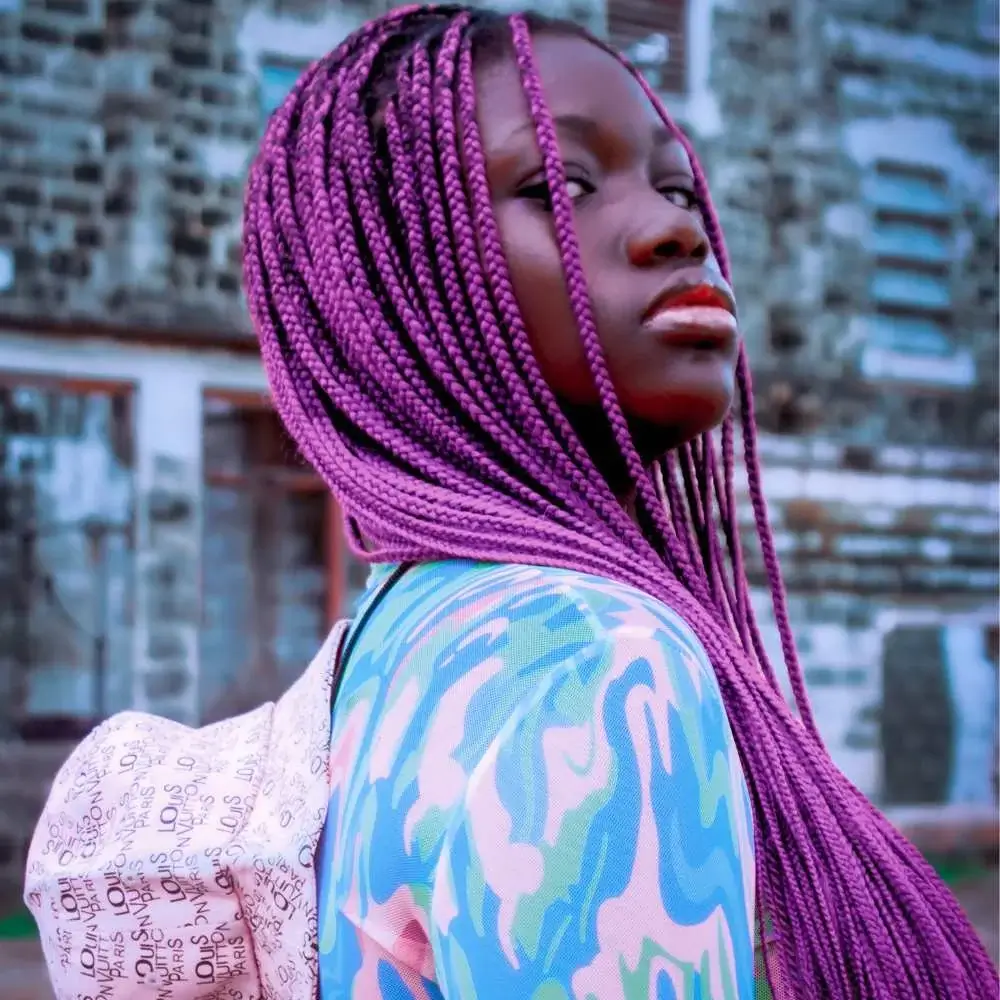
<point>911,242</point>
<point>653,34</point>
<point>6,267</point>
<point>913,192</point>
<point>910,289</point>
<point>275,568</point>
<point>276,80</point>
<point>909,330</point>
<point>910,334</point>
<point>66,512</point>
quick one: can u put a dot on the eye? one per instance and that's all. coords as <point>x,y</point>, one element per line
<point>576,188</point>
<point>681,197</point>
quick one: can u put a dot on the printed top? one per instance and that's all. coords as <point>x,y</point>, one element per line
<point>535,793</point>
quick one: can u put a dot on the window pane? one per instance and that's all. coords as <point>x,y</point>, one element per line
<point>265,580</point>
<point>905,192</point>
<point>895,286</point>
<point>241,439</point>
<point>264,585</point>
<point>907,335</point>
<point>275,84</point>
<point>227,598</point>
<point>958,369</point>
<point>654,33</point>
<point>911,242</point>
<point>988,19</point>
<point>66,509</point>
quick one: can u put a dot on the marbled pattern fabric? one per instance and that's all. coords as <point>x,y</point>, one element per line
<point>534,794</point>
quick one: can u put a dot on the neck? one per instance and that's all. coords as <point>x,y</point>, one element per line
<point>629,501</point>
<point>593,429</point>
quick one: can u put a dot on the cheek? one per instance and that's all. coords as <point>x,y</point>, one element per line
<point>533,261</point>
<point>536,273</point>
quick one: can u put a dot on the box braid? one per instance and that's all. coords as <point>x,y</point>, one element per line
<point>400,363</point>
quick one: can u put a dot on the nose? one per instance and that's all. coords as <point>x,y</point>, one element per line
<point>668,233</point>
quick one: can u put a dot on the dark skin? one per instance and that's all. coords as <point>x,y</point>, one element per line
<point>639,228</point>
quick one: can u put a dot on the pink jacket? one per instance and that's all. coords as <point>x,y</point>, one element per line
<point>177,863</point>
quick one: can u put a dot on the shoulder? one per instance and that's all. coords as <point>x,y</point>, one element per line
<point>519,630</point>
<point>454,592</point>
<point>612,800</point>
<point>599,642</point>
<point>558,606</point>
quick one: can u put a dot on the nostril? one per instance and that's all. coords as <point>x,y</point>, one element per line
<point>676,249</point>
<point>670,249</point>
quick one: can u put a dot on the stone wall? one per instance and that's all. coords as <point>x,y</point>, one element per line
<point>125,131</point>
<point>126,127</point>
<point>810,96</point>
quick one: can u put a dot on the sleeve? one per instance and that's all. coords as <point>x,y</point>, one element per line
<point>605,847</point>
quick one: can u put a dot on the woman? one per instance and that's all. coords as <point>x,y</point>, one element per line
<point>493,302</point>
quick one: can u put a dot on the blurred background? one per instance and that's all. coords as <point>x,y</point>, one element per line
<point>160,548</point>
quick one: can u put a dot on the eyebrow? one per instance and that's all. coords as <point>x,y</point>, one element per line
<point>588,131</point>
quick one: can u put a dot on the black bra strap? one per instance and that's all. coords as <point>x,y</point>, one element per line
<point>358,625</point>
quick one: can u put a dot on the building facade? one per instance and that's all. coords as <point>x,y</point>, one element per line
<point>161,547</point>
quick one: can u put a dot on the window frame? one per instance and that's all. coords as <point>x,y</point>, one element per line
<point>75,724</point>
<point>630,23</point>
<point>303,480</point>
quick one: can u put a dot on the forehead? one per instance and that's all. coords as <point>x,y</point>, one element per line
<point>579,80</point>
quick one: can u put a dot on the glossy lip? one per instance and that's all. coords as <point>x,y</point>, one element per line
<point>691,290</point>
<point>694,311</point>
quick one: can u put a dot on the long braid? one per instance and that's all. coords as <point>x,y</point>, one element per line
<point>714,232</point>
<point>400,363</point>
<point>533,405</point>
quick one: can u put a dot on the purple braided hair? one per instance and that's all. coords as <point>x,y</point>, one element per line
<point>399,362</point>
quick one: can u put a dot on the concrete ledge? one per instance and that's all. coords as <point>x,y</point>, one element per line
<point>949,829</point>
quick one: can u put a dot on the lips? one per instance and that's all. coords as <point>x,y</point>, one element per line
<point>699,293</point>
<point>694,313</point>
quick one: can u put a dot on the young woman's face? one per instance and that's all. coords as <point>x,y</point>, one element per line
<point>642,242</point>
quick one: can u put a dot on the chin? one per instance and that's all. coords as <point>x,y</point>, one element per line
<point>658,430</point>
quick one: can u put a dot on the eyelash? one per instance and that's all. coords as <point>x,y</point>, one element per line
<point>691,199</point>
<point>540,192</point>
